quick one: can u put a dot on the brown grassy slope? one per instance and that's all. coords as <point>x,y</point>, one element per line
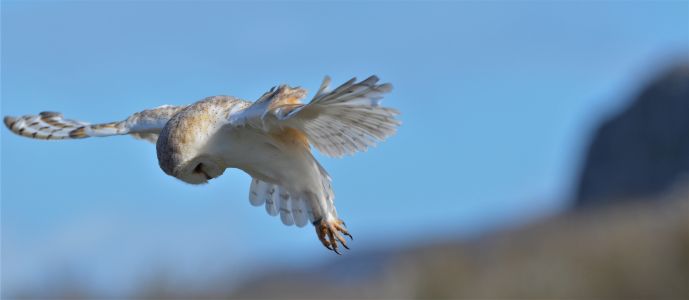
<point>627,251</point>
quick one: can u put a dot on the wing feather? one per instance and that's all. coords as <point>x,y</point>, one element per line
<point>339,122</point>
<point>144,125</point>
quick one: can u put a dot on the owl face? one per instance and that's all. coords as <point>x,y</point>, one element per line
<point>198,170</point>
<point>182,146</point>
<point>188,162</point>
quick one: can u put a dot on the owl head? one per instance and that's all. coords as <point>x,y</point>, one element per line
<point>182,147</point>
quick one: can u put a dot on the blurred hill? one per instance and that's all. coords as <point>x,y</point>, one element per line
<point>630,251</point>
<point>644,149</point>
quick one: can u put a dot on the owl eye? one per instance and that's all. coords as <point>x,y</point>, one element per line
<point>199,170</point>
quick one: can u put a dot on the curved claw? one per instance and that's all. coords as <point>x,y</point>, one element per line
<point>329,234</point>
<point>321,236</point>
<point>345,245</point>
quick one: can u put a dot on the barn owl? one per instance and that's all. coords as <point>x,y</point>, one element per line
<point>269,139</point>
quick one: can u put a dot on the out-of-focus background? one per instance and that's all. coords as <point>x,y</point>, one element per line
<point>544,151</point>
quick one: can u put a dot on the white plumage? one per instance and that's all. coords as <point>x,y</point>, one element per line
<point>269,139</point>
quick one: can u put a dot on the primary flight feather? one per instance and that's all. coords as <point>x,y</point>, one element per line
<point>269,139</point>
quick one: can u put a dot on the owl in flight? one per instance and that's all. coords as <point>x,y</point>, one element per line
<point>268,139</point>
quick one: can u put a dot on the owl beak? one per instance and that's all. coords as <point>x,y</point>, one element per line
<point>199,169</point>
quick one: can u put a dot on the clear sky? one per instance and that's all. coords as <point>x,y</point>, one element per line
<point>498,99</point>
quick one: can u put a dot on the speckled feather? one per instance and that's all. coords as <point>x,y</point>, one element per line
<point>53,126</point>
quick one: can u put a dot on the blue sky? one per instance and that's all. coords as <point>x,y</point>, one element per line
<point>497,99</point>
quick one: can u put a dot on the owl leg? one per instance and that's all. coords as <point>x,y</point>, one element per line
<point>329,234</point>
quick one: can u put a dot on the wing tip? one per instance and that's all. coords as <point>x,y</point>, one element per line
<point>9,121</point>
<point>385,87</point>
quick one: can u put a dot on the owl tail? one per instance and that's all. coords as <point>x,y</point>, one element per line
<point>295,208</point>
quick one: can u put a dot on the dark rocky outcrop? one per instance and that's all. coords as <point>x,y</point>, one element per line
<point>643,150</point>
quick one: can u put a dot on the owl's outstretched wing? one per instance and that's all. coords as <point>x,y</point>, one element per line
<point>338,122</point>
<point>145,125</point>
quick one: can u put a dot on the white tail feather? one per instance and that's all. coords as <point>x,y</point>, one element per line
<point>277,200</point>
<point>285,207</point>
<point>254,192</point>
<point>272,204</point>
<point>299,212</point>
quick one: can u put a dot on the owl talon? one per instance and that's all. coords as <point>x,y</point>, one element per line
<point>321,237</point>
<point>329,234</point>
